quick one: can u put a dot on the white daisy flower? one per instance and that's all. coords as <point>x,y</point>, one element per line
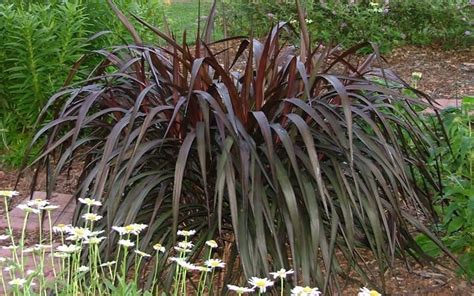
<point>90,202</point>
<point>49,208</point>
<point>4,237</point>
<point>3,259</point>
<point>91,217</point>
<point>261,283</point>
<point>61,255</point>
<point>126,243</point>
<point>182,250</point>
<point>39,247</point>
<point>135,228</point>
<point>282,273</point>
<point>186,233</point>
<point>78,233</point>
<point>83,269</point>
<point>28,209</point>
<point>203,269</point>
<point>185,245</point>
<point>94,240</point>
<point>366,292</point>
<point>11,247</point>
<point>240,290</point>
<point>159,248</point>
<point>212,244</point>
<point>214,263</point>
<point>30,272</point>
<point>9,193</point>
<point>305,291</point>
<point>18,282</point>
<point>9,268</point>
<point>38,203</point>
<point>68,248</point>
<point>107,264</point>
<point>119,229</point>
<point>142,254</point>
<point>62,228</point>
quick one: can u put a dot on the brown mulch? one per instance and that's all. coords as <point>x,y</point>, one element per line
<point>443,74</point>
<point>443,78</point>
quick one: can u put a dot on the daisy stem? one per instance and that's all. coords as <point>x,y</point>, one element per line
<point>116,263</point>
<point>3,282</point>
<point>10,230</point>
<point>155,273</point>
<point>202,281</point>
<point>281,286</point>
<point>22,241</point>
<point>53,266</point>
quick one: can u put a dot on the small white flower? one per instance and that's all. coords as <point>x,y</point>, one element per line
<point>38,203</point>
<point>293,22</point>
<point>3,259</point>
<point>68,248</point>
<point>186,265</point>
<point>126,243</point>
<point>90,202</point>
<point>186,233</point>
<point>308,21</point>
<point>91,217</point>
<point>119,229</point>
<point>261,283</point>
<point>107,264</point>
<point>416,75</point>
<point>135,228</point>
<point>9,193</point>
<point>240,290</point>
<point>11,247</point>
<point>61,255</point>
<point>212,244</point>
<point>214,263</point>
<point>366,292</point>
<point>159,248</point>
<point>305,291</point>
<point>18,282</point>
<point>94,240</point>
<point>142,254</point>
<point>4,237</point>
<point>39,247</point>
<point>9,268</point>
<point>28,209</point>
<point>182,250</point>
<point>83,269</point>
<point>78,233</point>
<point>61,228</point>
<point>185,245</point>
<point>49,208</point>
<point>30,272</point>
<point>282,273</point>
<point>203,269</point>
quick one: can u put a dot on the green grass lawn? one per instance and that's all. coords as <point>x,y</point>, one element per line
<point>183,15</point>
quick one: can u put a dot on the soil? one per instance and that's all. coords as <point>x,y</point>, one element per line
<point>443,78</point>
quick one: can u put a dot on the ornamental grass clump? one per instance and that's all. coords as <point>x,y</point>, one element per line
<point>289,151</point>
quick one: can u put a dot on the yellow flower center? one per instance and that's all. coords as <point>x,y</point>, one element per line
<point>260,283</point>
<point>374,293</point>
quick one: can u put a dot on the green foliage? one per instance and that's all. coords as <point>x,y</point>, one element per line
<point>418,22</point>
<point>456,202</point>
<point>40,43</point>
<point>173,139</point>
<point>41,40</point>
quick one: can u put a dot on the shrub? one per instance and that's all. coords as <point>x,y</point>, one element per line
<point>400,22</point>
<point>455,203</point>
<point>301,154</point>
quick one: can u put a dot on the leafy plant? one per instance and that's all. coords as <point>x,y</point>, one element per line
<point>299,154</point>
<point>455,203</point>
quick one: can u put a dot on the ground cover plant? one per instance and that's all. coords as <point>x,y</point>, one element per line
<point>173,136</point>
